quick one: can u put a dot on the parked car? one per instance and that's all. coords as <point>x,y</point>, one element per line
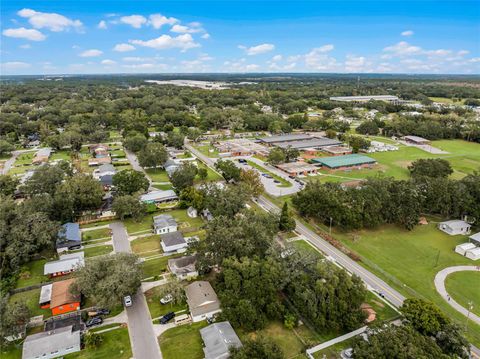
<point>103,311</point>
<point>276,181</point>
<point>127,301</point>
<point>167,299</point>
<point>94,321</point>
<point>241,160</point>
<point>167,317</point>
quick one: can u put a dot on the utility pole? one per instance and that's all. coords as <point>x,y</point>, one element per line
<point>330,229</point>
<point>470,307</point>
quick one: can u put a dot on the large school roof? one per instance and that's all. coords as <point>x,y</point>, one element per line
<point>314,142</point>
<point>344,161</point>
<point>286,138</point>
<point>365,98</point>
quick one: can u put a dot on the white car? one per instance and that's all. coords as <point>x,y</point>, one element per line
<point>127,301</point>
<point>167,299</point>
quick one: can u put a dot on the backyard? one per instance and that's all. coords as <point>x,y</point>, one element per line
<point>146,246</point>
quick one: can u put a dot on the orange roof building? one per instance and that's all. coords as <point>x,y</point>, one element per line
<point>63,300</point>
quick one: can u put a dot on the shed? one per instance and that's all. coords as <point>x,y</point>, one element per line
<point>202,300</point>
<point>416,140</point>
<point>464,247</point>
<point>218,339</point>
<point>475,239</point>
<point>173,241</point>
<point>45,296</point>
<point>455,227</point>
<point>473,254</point>
<point>51,344</point>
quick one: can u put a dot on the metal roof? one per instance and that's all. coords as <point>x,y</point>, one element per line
<point>218,339</point>
<point>45,294</point>
<point>313,142</point>
<point>159,196</point>
<point>343,161</point>
<point>66,263</point>
<point>365,98</point>
<point>71,232</point>
<point>164,220</point>
<point>172,239</point>
<point>287,137</point>
<point>455,224</point>
<point>42,345</point>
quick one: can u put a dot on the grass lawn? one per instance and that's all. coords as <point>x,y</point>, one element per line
<point>116,344</point>
<point>96,224</point>
<point>447,100</point>
<point>11,351</point>
<point>464,287</point>
<point>32,273</point>
<point>60,155</point>
<point>98,250</point>
<point>183,342</point>
<point>150,244</point>
<point>303,246</point>
<point>157,266</point>
<point>145,224</point>
<point>409,260</point>
<point>283,182</point>
<point>157,174</point>
<point>211,174</point>
<point>185,223</point>
<point>205,150</point>
<point>31,298</point>
<point>96,234</point>
<point>156,308</point>
<point>162,186</point>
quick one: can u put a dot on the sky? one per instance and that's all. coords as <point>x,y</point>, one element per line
<point>117,36</point>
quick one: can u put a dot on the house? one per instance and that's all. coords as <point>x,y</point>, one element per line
<point>159,196</point>
<point>475,239</point>
<point>99,161</point>
<point>464,247</point>
<point>65,265</point>
<point>106,181</point>
<point>164,223</point>
<point>171,166</point>
<point>298,168</point>
<point>455,227</point>
<point>99,150</point>
<point>202,300</point>
<point>183,267</point>
<point>51,344</point>
<point>58,297</point>
<point>218,339</point>
<point>353,161</point>
<point>42,156</point>
<point>173,241</point>
<point>104,170</point>
<point>69,237</point>
<point>416,140</point>
<point>473,254</point>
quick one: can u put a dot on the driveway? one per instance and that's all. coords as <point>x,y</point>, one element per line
<point>440,287</point>
<point>140,327</point>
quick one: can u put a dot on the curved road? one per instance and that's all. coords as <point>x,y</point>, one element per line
<point>440,286</point>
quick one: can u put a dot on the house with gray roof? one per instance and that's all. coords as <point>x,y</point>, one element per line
<point>455,227</point>
<point>104,170</point>
<point>475,239</point>
<point>218,339</point>
<point>164,223</point>
<point>159,196</point>
<point>202,300</point>
<point>51,344</point>
<point>183,267</point>
<point>173,242</point>
<point>65,265</point>
<point>69,237</point>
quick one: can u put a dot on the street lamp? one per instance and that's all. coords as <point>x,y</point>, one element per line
<point>470,307</point>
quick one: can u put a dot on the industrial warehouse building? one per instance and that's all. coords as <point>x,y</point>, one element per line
<point>353,161</point>
<point>302,142</point>
<point>361,99</point>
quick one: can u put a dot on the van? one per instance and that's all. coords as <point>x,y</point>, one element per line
<point>183,319</point>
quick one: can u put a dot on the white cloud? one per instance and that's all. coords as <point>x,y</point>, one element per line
<point>182,29</point>
<point>123,47</point>
<point>402,49</point>
<point>135,59</point>
<point>205,36</point>
<point>463,52</point>
<point>25,46</point>
<point>439,52</point>
<point>318,59</point>
<point>158,20</point>
<point>135,21</point>
<point>102,25</point>
<point>259,49</point>
<point>407,33</point>
<point>108,62</point>
<point>357,64</point>
<point>91,53</point>
<point>277,58</point>
<point>52,21</point>
<point>325,48</point>
<point>183,42</point>
<point>23,33</point>
<point>15,65</point>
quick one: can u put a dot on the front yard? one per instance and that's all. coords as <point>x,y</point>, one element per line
<point>183,342</point>
<point>157,309</point>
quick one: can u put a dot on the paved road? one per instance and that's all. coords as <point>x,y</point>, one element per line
<point>140,327</point>
<point>9,163</point>
<point>440,286</point>
<point>132,158</point>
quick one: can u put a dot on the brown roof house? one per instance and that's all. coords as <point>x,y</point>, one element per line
<point>63,300</point>
<point>202,300</point>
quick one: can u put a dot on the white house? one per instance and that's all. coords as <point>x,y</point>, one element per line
<point>51,344</point>
<point>464,247</point>
<point>164,223</point>
<point>173,242</point>
<point>159,196</point>
<point>455,227</point>
<point>183,267</point>
<point>473,254</point>
<point>106,169</point>
<point>475,239</point>
<point>219,338</point>
<point>202,300</point>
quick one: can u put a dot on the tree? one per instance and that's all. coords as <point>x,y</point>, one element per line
<point>184,176</point>
<point>153,155</point>
<point>228,169</point>
<point>276,156</point>
<point>6,148</point>
<point>128,182</point>
<point>92,339</point>
<point>330,133</point>
<point>190,196</point>
<point>202,173</point>
<point>175,139</point>
<point>286,222</point>
<point>368,128</point>
<point>15,316</point>
<point>251,181</point>
<point>430,167</point>
<point>258,348</point>
<point>291,153</point>
<point>78,193</point>
<point>358,143</point>
<point>424,316</point>
<point>227,201</point>
<point>128,206</point>
<point>45,179</point>
<point>173,288</point>
<point>194,134</point>
<point>135,143</point>
<point>8,185</point>
<point>108,279</point>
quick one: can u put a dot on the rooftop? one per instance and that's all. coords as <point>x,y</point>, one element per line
<point>287,137</point>
<point>71,232</point>
<point>456,223</point>
<point>164,220</point>
<point>45,343</point>
<point>365,98</point>
<point>313,142</point>
<point>296,166</point>
<point>416,138</point>
<point>61,293</point>
<point>172,239</point>
<point>201,298</point>
<point>182,265</point>
<point>218,339</point>
<point>66,263</point>
<point>159,196</point>
<point>344,161</point>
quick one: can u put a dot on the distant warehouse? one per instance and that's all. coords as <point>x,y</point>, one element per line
<point>387,98</point>
<point>299,141</point>
<point>353,161</point>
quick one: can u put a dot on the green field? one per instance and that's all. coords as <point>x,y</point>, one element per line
<point>205,150</point>
<point>31,298</point>
<point>212,175</point>
<point>60,155</point>
<point>96,234</point>
<point>183,342</point>
<point>446,100</point>
<point>146,246</point>
<point>97,250</point>
<point>157,266</point>
<point>116,344</point>
<point>32,273</point>
<point>464,287</point>
<point>157,174</point>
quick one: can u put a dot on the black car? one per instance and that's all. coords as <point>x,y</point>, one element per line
<point>167,317</point>
<point>103,311</point>
<point>94,321</point>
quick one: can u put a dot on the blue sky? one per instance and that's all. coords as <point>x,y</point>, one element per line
<point>52,37</point>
